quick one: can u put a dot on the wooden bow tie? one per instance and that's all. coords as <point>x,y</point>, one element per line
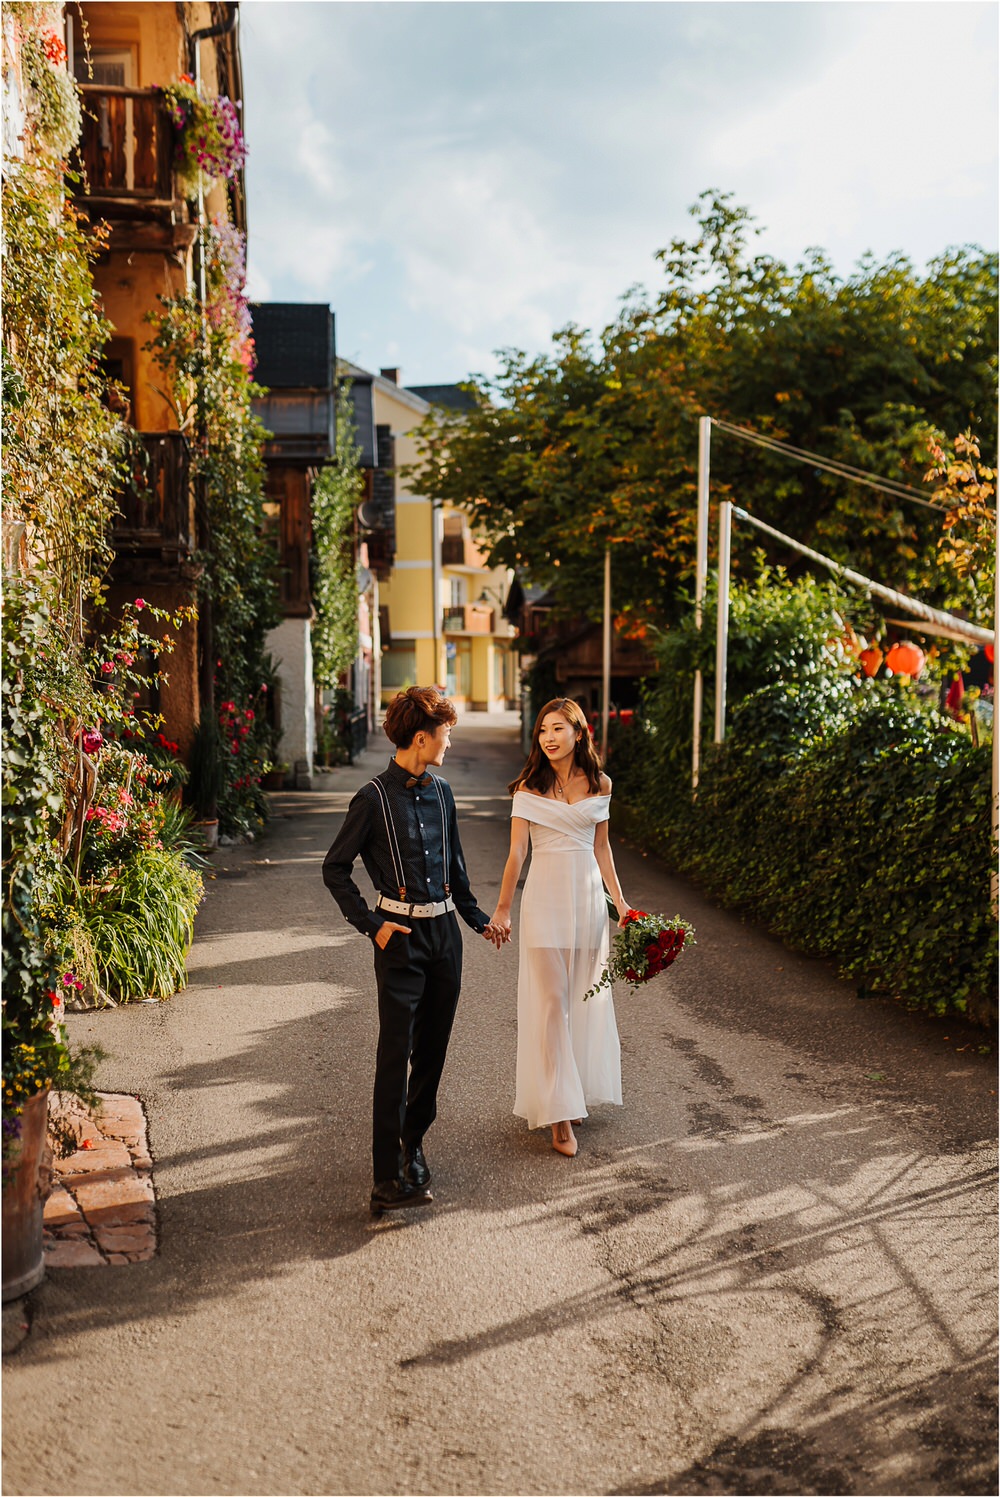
<point>420,780</point>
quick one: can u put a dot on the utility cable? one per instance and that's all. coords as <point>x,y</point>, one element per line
<point>889,486</point>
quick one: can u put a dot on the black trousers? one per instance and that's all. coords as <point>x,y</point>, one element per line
<point>418,979</point>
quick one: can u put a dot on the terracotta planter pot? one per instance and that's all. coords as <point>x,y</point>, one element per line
<point>24,1196</point>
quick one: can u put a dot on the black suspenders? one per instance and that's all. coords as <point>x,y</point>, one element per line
<point>444,837</point>
<point>390,831</point>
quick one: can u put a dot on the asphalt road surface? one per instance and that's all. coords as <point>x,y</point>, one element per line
<point>772,1271</point>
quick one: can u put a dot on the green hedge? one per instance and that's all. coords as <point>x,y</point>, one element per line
<point>843,817</point>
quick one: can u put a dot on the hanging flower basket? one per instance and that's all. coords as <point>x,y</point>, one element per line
<point>209,142</point>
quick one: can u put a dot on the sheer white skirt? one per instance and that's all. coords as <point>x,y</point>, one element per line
<point>568,1052</point>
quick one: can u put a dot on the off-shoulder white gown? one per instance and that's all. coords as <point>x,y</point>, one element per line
<point>568,1054</point>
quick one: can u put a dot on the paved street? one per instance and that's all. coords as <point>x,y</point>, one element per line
<point>771,1271</point>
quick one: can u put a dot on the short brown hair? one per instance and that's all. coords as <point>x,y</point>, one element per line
<point>418,709</point>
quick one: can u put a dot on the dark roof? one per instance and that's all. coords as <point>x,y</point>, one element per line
<point>295,345</point>
<point>362,409</point>
<point>452,397</point>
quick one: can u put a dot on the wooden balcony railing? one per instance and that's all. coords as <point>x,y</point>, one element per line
<point>156,519</point>
<point>126,146</point>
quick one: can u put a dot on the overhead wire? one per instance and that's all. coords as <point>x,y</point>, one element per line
<point>889,486</point>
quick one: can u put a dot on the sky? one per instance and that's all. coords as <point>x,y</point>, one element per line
<point>459,176</point>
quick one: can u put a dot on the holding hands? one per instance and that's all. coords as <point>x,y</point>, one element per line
<point>498,930</point>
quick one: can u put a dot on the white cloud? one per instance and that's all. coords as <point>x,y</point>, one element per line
<point>881,147</point>
<point>460,177</point>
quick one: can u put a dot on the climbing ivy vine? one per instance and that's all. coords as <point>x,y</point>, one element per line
<point>336,496</point>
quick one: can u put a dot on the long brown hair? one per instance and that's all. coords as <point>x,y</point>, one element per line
<point>538,773</point>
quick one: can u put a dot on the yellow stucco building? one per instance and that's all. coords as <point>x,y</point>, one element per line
<point>440,612</point>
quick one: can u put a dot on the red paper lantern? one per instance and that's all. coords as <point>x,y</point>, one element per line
<point>989,653</point>
<point>870,660</point>
<point>905,659</point>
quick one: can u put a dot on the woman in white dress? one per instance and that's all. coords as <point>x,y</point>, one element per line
<point>568,1055</point>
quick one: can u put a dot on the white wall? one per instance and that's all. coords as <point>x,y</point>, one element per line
<point>291,646</point>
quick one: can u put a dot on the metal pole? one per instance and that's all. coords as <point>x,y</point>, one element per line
<point>606,671</point>
<point>700,579</point>
<point>722,618</point>
<point>437,527</point>
<point>960,627</point>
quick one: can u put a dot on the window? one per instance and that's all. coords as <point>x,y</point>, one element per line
<point>399,668</point>
<point>111,68</point>
<point>106,67</point>
<point>118,368</point>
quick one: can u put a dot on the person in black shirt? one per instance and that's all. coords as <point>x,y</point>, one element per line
<point>404,827</point>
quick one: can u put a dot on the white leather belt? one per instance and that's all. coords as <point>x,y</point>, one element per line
<point>414,911</point>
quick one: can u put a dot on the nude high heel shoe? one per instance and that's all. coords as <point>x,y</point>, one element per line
<point>564,1139</point>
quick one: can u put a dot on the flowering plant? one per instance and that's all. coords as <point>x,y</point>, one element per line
<point>42,1061</point>
<point>645,946</point>
<point>210,142</point>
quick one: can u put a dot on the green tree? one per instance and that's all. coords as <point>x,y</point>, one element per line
<point>596,443</point>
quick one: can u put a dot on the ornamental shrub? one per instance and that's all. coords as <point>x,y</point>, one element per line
<point>846,819</point>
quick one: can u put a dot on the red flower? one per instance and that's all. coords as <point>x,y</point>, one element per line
<point>140,604</point>
<point>54,49</point>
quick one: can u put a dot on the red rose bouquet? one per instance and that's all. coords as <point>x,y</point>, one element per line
<point>645,946</point>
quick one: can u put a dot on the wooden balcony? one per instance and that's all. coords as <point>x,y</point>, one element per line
<point>153,536</point>
<point>469,618</point>
<point>126,164</point>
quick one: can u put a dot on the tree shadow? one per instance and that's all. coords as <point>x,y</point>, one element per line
<point>863,1347</point>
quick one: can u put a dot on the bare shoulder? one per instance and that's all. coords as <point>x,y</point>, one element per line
<point>605,784</point>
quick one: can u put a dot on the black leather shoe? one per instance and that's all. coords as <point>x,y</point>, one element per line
<point>393,1195</point>
<point>415,1168</point>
